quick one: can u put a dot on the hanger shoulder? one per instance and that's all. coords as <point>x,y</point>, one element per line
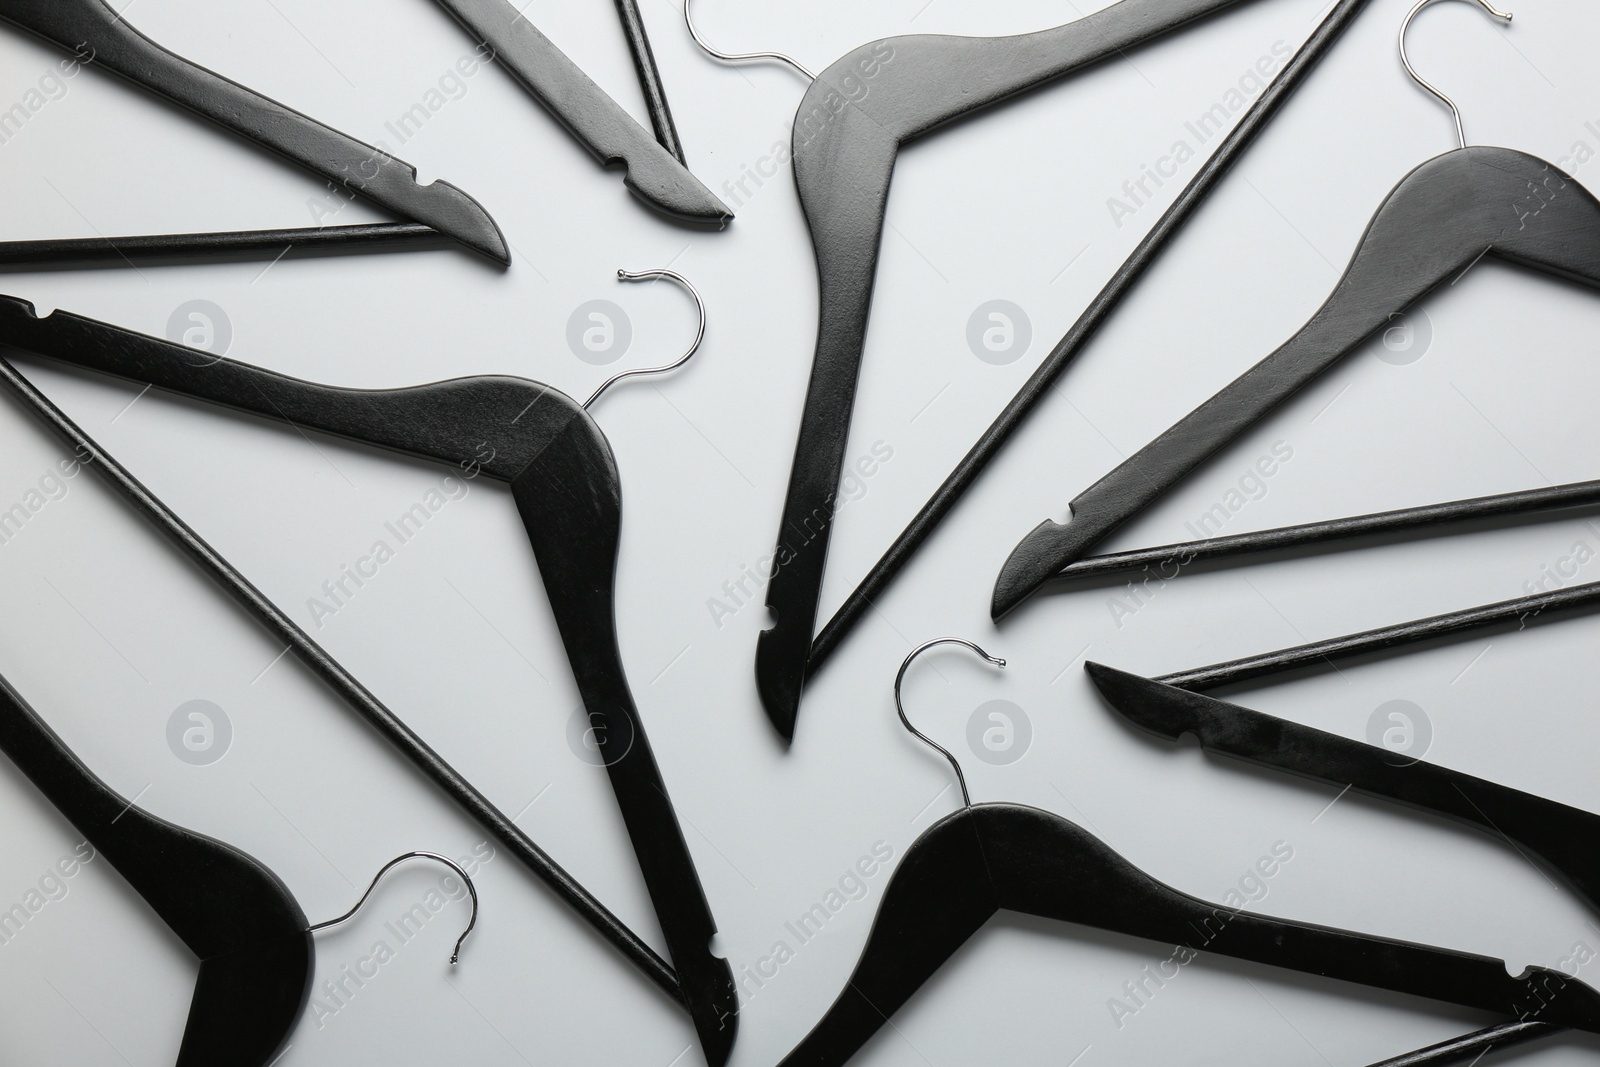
<point>936,900</point>
<point>90,28</point>
<point>1440,220</point>
<point>496,423</point>
<point>1046,866</point>
<point>915,83</point>
<point>232,912</point>
<point>1567,838</point>
<point>589,114</point>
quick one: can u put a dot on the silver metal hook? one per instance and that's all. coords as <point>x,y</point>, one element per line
<point>699,333</point>
<point>966,798</point>
<point>1461,131</point>
<point>455,953</point>
<point>743,57</point>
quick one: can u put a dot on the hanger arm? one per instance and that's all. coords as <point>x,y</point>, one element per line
<point>91,29</point>
<point>591,116</point>
<point>934,903</point>
<point>1567,838</point>
<point>456,422</point>
<point>1046,866</point>
<point>1440,220</point>
<point>571,506</point>
<point>993,857</point>
<point>253,941</point>
<point>933,79</point>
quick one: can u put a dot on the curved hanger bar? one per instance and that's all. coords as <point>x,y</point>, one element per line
<point>848,131</point>
<point>699,333</point>
<point>233,913</point>
<point>568,492</point>
<point>351,165</point>
<point>1439,221</point>
<point>1405,60</point>
<point>455,953</point>
<point>742,57</point>
<point>899,679</point>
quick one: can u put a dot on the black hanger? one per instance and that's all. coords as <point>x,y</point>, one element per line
<point>496,823</point>
<point>1168,561</point>
<point>565,483</point>
<point>849,128</point>
<point>1567,839</point>
<point>845,144</point>
<point>1440,220</point>
<point>253,941</point>
<point>231,911</point>
<point>992,857</point>
<point>655,172</point>
<point>99,36</point>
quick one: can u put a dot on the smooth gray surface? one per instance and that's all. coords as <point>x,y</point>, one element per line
<point>108,632</point>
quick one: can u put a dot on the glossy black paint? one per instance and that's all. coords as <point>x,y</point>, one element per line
<point>495,822</point>
<point>567,489</point>
<point>993,857</point>
<point>596,120</point>
<point>843,172</point>
<point>235,915</point>
<point>1438,222</point>
<point>1522,611</point>
<point>1169,560</point>
<point>92,28</point>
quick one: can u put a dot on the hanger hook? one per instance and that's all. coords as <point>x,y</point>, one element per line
<point>699,333</point>
<point>966,798</point>
<point>745,57</point>
<point>1461,131</point>
<point>455,953</point>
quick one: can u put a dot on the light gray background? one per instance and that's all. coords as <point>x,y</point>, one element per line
<point>108,632</point>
